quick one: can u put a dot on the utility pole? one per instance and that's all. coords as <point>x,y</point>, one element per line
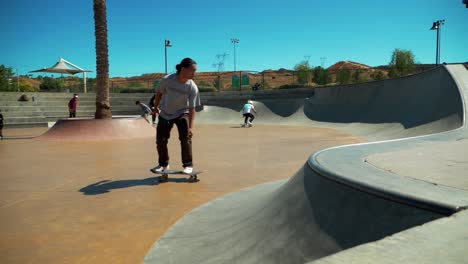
<point>219,67</point>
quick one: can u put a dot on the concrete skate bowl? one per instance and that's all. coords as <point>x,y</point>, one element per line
<point>90,129</point>
<point>338,208</point>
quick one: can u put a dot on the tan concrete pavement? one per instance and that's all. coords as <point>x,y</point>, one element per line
<point>97,202</point>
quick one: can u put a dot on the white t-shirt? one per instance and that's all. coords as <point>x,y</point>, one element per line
<point>248,108</point>
<point>145,108</point>
<point>178,97</point>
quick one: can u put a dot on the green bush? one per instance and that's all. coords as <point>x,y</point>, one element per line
<point>52,84</point>
<point>343,76</point>
<point>6,76</point>
<point>401,64</point>
<point>294,85</point>
<point>27,87</point>
<point>378,75</point>
<point>303,72</point>
<point>24,98</point>
<point>204,89</point>
<point>321,76</point>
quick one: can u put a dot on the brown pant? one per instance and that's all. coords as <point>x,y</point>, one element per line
<point>163,133</point>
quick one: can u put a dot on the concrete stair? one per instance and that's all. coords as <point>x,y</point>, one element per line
<point>49,107</point>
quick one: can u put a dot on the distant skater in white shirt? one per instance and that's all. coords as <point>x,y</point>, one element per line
<point>247,113</point>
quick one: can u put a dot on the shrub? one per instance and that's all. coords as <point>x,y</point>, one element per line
<point>343,76</point>
<point>294,85</point>
<point>23,98</point>
<point>204,89</point>
<point>321,76</point>
<point>303,72</point>
<point>378,75</point>
<point>401,64</point>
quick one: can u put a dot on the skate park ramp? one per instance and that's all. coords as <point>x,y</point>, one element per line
<point>344,205</point>
<point>89,129</point>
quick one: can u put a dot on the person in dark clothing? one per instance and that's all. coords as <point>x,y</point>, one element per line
<point>151,105</point>
<point>73,105</point>
<point>1,125</point>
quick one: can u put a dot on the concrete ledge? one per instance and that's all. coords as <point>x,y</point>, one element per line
<point>86,129</point>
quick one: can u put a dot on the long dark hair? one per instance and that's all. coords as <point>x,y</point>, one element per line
<point>185,63</point>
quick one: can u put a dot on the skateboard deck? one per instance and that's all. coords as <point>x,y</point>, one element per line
<point>165,175</point>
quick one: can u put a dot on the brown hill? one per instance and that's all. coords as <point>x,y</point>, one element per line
<point>348,65</point>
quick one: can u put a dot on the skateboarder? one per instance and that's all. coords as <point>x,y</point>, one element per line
<point>247,113</point>
<point>151,105</point>
<point>146,111</point>
<point>177,97</point>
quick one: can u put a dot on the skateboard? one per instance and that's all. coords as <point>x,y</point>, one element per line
<point>165,175</point>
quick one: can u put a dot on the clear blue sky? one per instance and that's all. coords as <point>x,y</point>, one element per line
<point>272,34</point>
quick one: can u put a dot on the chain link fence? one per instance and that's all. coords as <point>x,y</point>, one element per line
<point>238,80</point>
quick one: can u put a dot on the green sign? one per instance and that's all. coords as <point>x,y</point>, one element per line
<point>245,80</point>
<point>235,82</point>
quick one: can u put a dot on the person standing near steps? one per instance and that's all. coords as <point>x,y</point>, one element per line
<point>1,125</point>
<point>175,103</point>
<point>72,106</point>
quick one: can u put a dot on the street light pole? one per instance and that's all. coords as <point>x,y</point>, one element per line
<point>437,26</point>
<point>234,41</point>
<point>167,43</point>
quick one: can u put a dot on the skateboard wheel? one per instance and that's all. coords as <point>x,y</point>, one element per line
<point>164,178</point>
<point>192,178</point>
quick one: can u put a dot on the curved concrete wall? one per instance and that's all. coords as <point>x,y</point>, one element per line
<point>337,205</point>
<point>420,104</point>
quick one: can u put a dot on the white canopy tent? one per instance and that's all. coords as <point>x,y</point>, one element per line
<point>62,67</point>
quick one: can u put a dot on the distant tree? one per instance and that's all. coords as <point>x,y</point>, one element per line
<point>401,64</point>
<point>51,84</point>
<point>356,77</point>
<point>303,72</point>
<point>156,83</point>
<point>27,87</point>
<point>6,73</point>
<point>321,76</point>
<point>343,76</point>
<point>136,84</point>
<point>378,75</point>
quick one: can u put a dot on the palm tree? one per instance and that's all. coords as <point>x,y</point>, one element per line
<point>102,61</point>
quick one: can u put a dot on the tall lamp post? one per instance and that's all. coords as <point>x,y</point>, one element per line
<point>167,43</point>
<point>436,26</point>
<point>234,41</point>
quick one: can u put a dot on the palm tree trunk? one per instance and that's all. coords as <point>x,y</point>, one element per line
<point>102,61</point>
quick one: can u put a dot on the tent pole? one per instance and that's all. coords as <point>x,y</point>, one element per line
<point>84,81</point>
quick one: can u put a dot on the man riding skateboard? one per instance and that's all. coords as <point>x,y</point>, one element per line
<point>175,103</point>
<point>247,111</point>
